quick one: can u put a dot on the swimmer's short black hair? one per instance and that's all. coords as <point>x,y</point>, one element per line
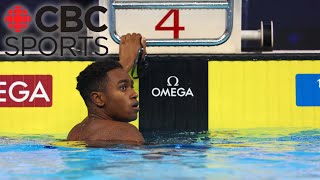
<point>92,78</point>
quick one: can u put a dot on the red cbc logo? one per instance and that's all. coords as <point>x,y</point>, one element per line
<point>25,90</point>
<point>17,19</point>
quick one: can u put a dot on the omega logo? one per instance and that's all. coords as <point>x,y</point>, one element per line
<point>172,90</point>
<point>25,90</point>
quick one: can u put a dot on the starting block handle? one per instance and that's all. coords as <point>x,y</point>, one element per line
<point>264,34</point>
<point>228,6</point>
<point>171,5</point>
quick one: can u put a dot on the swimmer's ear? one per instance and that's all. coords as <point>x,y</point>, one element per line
<point>97,98</point>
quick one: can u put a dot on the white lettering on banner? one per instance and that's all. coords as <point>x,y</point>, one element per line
<point>41,94</point>
<point>2,83</point>
<point>173,91</point>
<point>26,93</point>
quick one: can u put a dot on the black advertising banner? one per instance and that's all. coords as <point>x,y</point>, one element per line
<point>174,94</point>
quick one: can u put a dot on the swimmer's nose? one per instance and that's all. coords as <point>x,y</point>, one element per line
<point>135,95</point>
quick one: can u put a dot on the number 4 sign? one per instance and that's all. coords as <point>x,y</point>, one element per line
<point>175,28</point>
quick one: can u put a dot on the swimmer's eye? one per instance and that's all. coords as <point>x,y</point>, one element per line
<point>123,87</point>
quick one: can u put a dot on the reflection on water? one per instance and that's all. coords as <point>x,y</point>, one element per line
<point>222,154</point>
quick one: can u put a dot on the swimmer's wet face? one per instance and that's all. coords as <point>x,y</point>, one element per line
<point>121,100</point>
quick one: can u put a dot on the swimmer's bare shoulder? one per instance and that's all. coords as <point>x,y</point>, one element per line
<point>77,133</point>
<point>102,130</point>
<point>115,131</point>
<point>74,134</point>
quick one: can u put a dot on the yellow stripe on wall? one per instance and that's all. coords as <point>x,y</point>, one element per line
<point>67,108</point>
<point>242,94</point>
<point>253,94</point>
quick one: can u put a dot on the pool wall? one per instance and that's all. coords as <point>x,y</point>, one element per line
<point>242,92</point>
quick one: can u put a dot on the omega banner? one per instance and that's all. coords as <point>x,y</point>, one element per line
<point>174,94</point>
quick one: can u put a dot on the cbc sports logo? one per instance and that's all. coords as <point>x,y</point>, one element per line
<point>18,19</point>
<point>172,89</point>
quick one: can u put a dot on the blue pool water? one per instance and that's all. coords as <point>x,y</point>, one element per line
<point>223,154</point>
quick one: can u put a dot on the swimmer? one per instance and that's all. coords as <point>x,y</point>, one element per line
<point>108,93</point>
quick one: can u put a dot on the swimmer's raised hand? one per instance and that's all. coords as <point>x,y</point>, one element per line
<point>128,50</point>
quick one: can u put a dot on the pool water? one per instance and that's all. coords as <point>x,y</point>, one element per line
<point>223,154</point>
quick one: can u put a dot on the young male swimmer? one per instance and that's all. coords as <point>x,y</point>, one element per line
<point>108,93</point>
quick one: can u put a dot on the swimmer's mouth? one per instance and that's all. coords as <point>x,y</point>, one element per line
<point>136,106</point>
